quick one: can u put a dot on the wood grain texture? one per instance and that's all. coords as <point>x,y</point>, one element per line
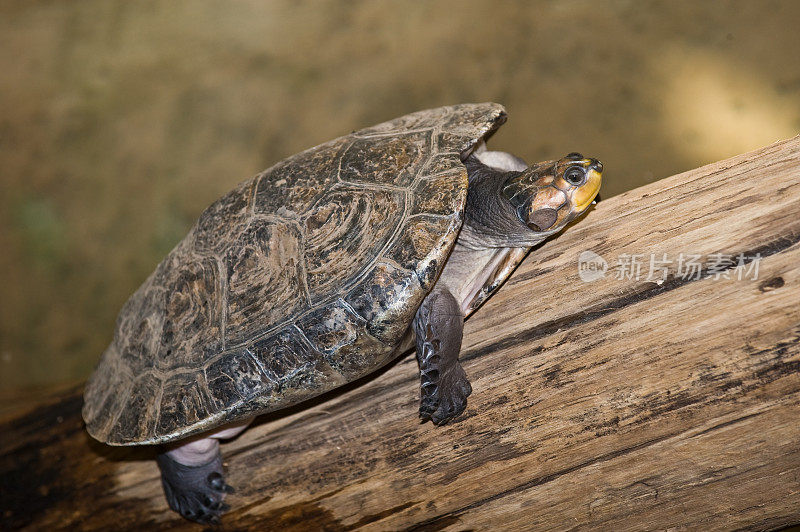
<point>619,404</point>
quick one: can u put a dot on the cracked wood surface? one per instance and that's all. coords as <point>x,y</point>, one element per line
<point>620,404</point>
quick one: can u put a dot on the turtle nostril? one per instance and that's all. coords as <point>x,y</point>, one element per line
<point>596,165</point>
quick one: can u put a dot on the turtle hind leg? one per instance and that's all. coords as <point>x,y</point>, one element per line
<point>195,488</point>
<point>438,327</point>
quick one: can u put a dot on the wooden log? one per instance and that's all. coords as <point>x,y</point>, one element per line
<point>622,404</point>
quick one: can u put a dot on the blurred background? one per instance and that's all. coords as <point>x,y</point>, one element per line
<point>121,121</point>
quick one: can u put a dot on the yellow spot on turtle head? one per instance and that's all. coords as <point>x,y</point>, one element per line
<point>588,191</point>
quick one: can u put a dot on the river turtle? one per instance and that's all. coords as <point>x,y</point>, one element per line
<point>319,271</point>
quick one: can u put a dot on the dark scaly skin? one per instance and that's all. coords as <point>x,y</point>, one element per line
<point>438,329</point>
<point>195,492</point>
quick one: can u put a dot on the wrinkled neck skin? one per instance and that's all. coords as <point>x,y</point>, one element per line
<point>490,220</point>
<point>493,239</point>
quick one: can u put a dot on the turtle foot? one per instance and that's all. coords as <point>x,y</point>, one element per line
<point>444,397</point>
<point>195,492</point>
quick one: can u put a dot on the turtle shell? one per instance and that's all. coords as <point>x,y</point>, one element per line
<point>303,278</point>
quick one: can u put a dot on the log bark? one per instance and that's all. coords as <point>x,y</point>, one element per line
<point>622,403</point>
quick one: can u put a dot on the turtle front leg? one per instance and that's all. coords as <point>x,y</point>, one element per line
<point>438,327</point>
<point>193,479</point>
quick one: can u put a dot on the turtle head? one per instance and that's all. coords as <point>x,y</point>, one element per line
<point>548,195</point>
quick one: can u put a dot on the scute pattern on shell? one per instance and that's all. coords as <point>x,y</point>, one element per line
<point>301,279</point>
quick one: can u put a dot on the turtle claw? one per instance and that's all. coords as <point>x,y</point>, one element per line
<point>438,327</point>
<point>195,492</point>
<point>217,481</point>
<point>446,398</point>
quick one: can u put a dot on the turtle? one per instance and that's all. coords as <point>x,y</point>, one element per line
<point>317,272</point>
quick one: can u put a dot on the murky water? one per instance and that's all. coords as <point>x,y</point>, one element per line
<point>121,121</point>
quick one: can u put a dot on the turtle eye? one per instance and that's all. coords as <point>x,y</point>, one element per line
<point>575,176</point>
